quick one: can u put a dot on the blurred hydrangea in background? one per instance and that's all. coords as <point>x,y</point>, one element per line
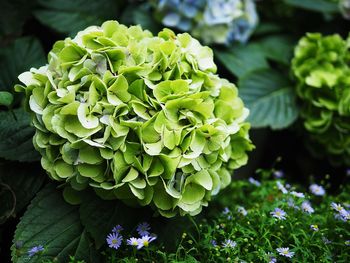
<point>344,6</point>
<point>213,21</point>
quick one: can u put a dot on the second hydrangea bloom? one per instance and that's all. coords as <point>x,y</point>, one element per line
<point>321,67</point>
<point>213,21</point>
<point>139,118</point>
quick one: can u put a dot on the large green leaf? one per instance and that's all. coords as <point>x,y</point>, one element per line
<point>278,48</point>
<point>324,6</point>
<point>16,136</point>
<point>51,222</point>
<point>141,17</point>
<point>19,184</point>
<point>14,13</point>
<point>20,56</point>
<point>241,59</point>
<point>270,98</point>
<point>66,16</point>
<point>100,216</point>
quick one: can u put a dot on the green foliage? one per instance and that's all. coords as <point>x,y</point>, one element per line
<point>20,56</point>
<point>240,59</point>
<point>6,98</point>
<point>16,136</point>
<point>54,224</point>
<point>257,233</point>
<point>321,68</point>
<point>100,216</point>
<point>324,6</point>
<point>19,184</point>
<point>270,98</point>
<point>139,118</point>
<point>14,14</point>
<point>66,16</point>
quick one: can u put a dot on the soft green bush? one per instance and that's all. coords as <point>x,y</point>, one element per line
<point>139,118</point>
<point>321,68</point>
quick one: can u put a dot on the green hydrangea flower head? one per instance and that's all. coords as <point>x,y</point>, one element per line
<point>321,66</point>
<point>137,117</point>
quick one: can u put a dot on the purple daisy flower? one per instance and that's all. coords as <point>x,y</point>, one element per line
<point>35,250</point>
<point>114,240</point>
<point>145,240</point>
<point>284,251</point>
<point>143,229</point>
<point>317,190</point>
<point>279,214</point>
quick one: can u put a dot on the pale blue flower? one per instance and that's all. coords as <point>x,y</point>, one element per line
<point>306,207</point>
<point>35,250</point>
<point>281,187</point>
<point>284,251</point>
<point>117,229</point>
<point>347,242</point>
<point>297,194</point>
<point>242,210</point>
<point>254,182</point>
<point>279,214</point>
<point>317,190</point>
<point>143,229</point>
<point>278,174</point>
<point>214,21</point>
<point>228,243</point>
<point>114,240</point>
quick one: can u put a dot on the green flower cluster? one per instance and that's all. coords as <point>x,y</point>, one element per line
<point>139,118</point>
<point>321,66</point>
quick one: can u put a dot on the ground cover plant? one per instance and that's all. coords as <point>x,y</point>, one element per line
<point>174,131</point>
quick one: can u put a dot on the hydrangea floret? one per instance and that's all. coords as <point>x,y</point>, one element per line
<point>137,117</point>
<point>321,66</point>
<point>213,21</point>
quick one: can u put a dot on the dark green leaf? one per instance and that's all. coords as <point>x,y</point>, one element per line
<point>278,48</point>
<point>142,17</point>
<point>16,136</point>
<point>19,183</point>
<point>66,16</point>
<point>240,59</point>
<point>324,6</point>
<point>270,98</point>
<point>6,98</point>
<point>100,216</point>
<point>54,224</point>
<point>14,13</point>
<point>23,54</point>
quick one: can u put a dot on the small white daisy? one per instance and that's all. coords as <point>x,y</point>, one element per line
<point>306,207</point>
<point>284,251</point>
<point>229,243</point>
<point>317,190</point>
<point>281,187</point>
<point>279,214</point>
<point>297,194</point>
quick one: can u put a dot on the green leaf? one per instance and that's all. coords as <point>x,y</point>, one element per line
<point>52,223</point>
<point>6,98</point>
<point>23,54</point>
<point>270,98</point>
<point>278,48</point>
<point>16,136</point>
<point>20,183</point>
<point>324,6</point>
<point>100,216</point>
<point>141,16</point>
<point>14,14</point>
<point>240,59</point>
<point>66,16</point>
